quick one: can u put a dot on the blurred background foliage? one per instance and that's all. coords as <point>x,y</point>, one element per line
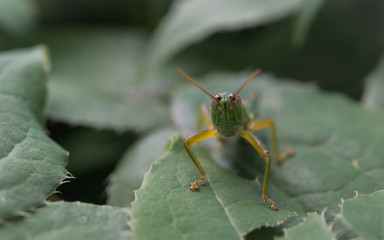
<point>104,97</point>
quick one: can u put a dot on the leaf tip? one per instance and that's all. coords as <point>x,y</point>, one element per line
<point>46,59</point>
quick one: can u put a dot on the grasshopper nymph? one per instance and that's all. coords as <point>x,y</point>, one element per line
<point>229,118</point>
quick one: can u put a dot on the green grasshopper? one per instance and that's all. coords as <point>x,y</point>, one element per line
<point>230,118</point>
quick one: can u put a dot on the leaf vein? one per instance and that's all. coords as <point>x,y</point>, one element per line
<point>231,220</point>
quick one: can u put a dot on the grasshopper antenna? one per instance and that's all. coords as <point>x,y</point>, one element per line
<point>183,74</point>
<point>253,75</point>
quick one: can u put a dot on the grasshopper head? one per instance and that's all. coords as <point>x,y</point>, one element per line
<point>225,101</point>
<point>227,112</point>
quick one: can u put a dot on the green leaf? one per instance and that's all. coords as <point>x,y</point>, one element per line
<point>190,21</point>
<point>304,20</point>
<point>31,164</point>
<point>313,227</point>
<point>17,16</point>
<point>135,163</point>
<point>227,207</point>
<point>373,97</point>
<point>76,220</point>
<point>337,144</point>
<point>364,214</point>
<point>94,84</point>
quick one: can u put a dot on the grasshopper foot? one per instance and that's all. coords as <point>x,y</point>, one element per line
<point>194,186</point>
<point>273,206</point>
<point>287,153</point>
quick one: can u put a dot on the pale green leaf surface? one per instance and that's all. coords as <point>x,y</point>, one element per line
<point>365,215</point>
<point>17,16</point>
<point>64,220</point>
<point>313,227</point>
<point>193,20</point>
<point>31,165</point>
<point>337,144</point>
<point>227,207</point>
<point>93,80</point>
<point>373,97</point>
<point>134,164</point>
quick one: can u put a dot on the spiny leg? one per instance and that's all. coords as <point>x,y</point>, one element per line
<point>194,138</point>
<point>264,153</point>
<point>269,123</point>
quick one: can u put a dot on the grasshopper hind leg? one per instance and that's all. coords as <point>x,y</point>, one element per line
<point>269,123</point>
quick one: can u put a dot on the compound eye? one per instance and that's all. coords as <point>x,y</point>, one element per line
<point>218,97</point>
<point>215,101</point>
<point>235,100</point>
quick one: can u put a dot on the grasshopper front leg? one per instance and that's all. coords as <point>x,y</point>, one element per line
<point>194,138</point>
<point>264,153</point>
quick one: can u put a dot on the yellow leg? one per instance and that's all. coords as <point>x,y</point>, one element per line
<point>264,153</point>
<point>254,126</point>
<point>194,138</point>
<point>203,117</point>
